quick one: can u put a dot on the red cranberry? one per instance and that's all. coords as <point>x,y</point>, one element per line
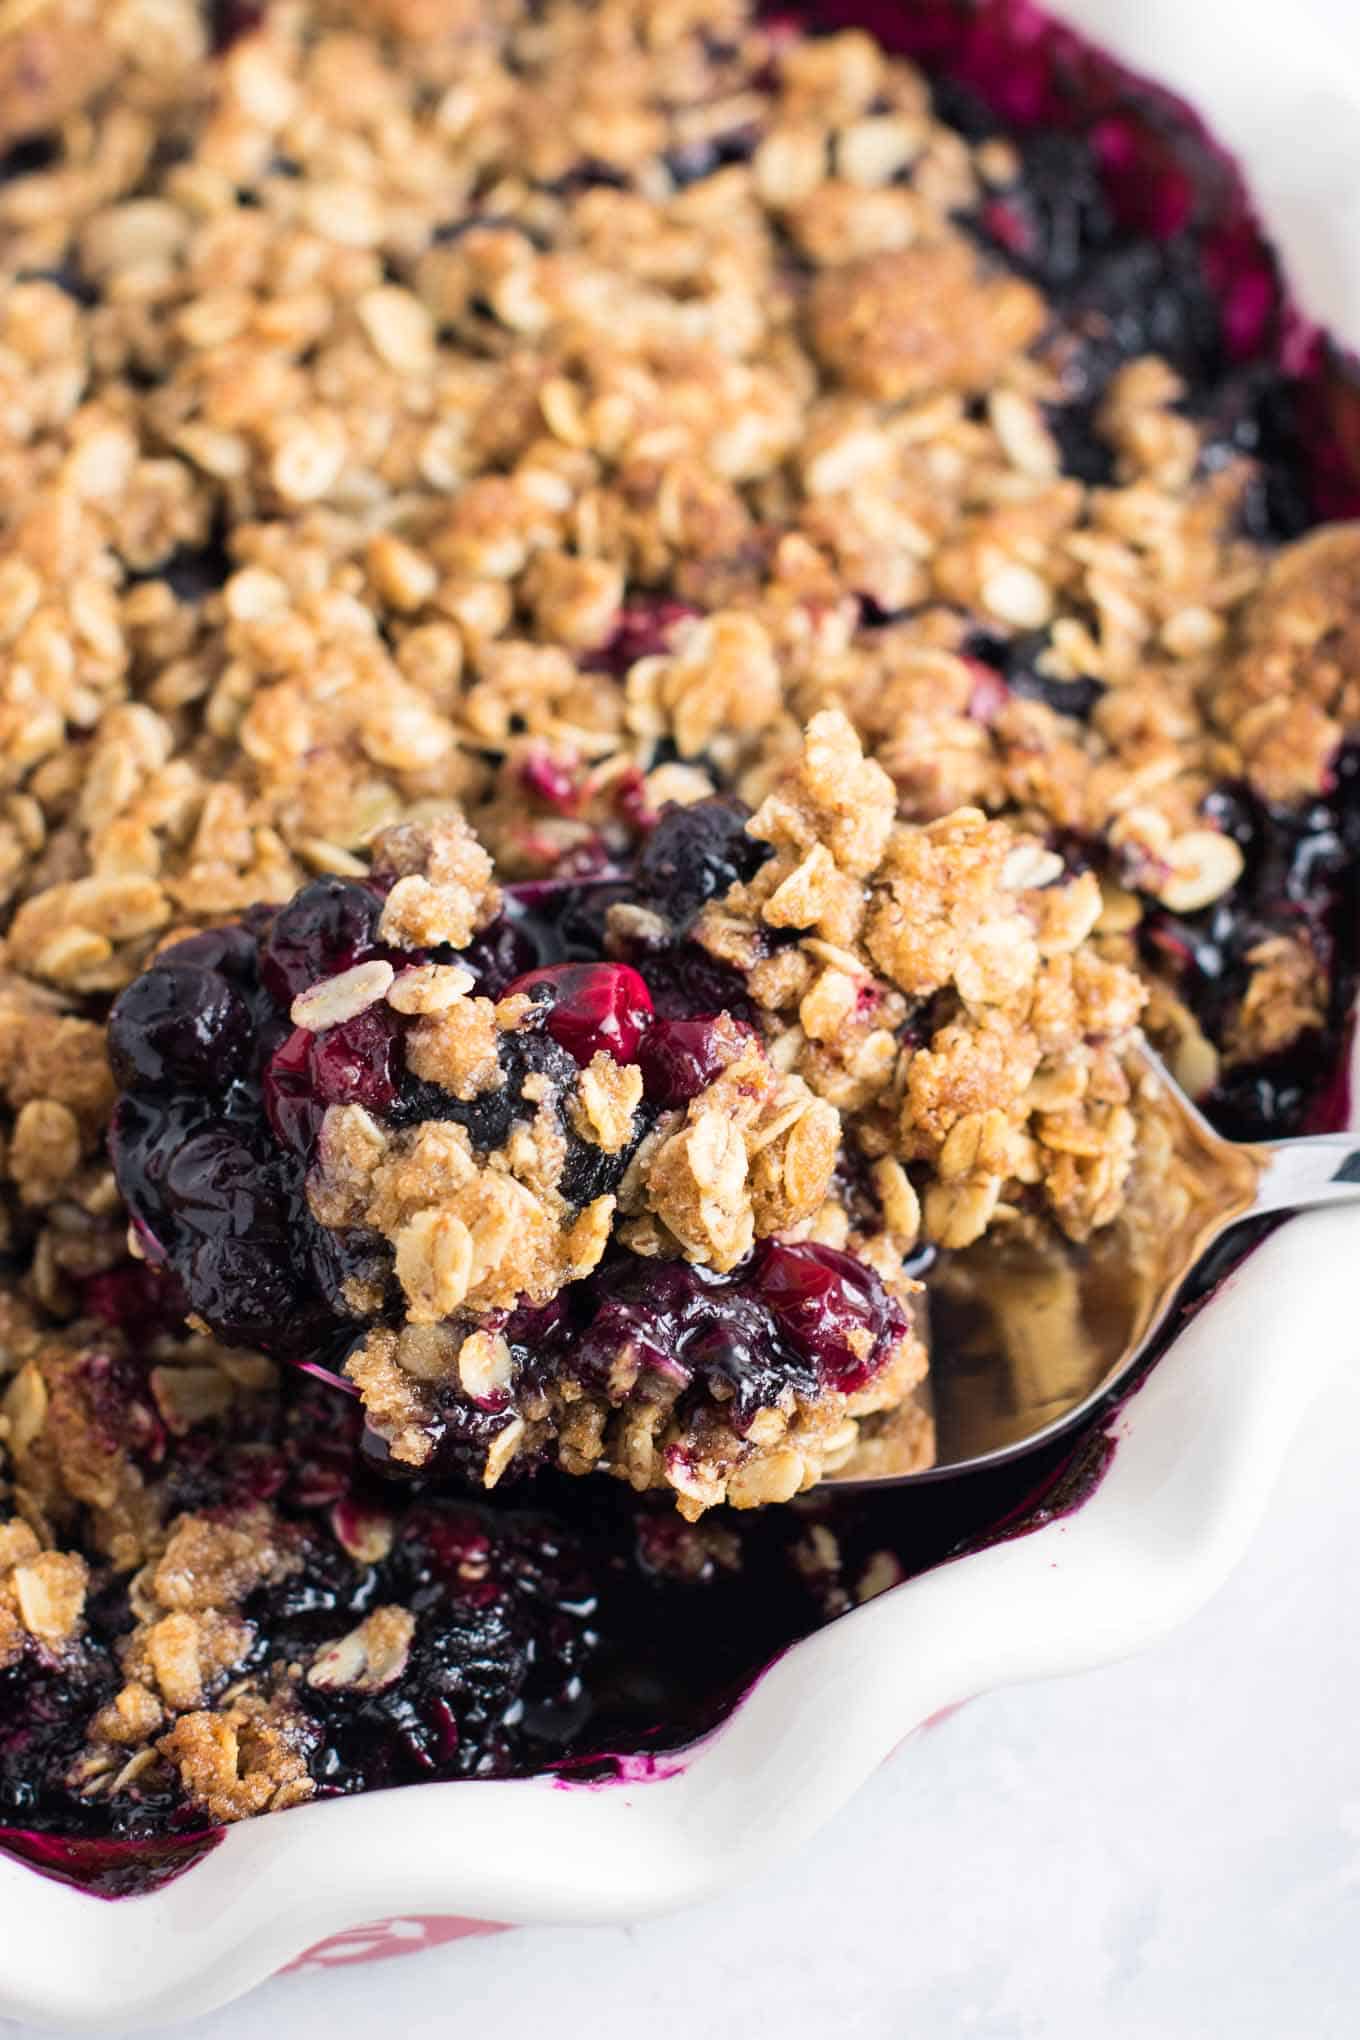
<point>594,1006</point>
<point>1007,226</point>
<point>551,780</point>
<point>680,1058</point>
<point>990,692</point>
<point>134,1297</point>
<point>118,1400</point>
<point>630,800</point>
<point>1151,192</point>
<point>455,1541</point>
<point>1248,288</point>
<point>832,1306</point>
<point>353,1064</point>
<point>644,629</point>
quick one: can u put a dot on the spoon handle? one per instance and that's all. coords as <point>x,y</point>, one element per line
<point>1320,1168</point>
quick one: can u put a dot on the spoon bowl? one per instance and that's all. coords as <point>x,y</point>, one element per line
<point>1029,1331</point>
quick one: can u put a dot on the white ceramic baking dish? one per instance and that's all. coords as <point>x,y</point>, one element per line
<point>1197,1448</point>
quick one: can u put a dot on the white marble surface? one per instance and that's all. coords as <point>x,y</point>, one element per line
<point>1165,1850</point>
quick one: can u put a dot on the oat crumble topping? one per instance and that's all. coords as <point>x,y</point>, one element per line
<point>631,706</point>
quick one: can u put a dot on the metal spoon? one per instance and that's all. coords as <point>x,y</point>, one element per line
<point>1028,1332</point>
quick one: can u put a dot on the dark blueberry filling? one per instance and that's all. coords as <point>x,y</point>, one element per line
<point>44,1706</point>
<point>213,1154</point>
<point>590,174</point>
<point>489,1117</point>
<point>1017,661</point>
<point>1255,413</point>
<point>66,278</point>
<point>1150,298</point>
<point>1056,218</point>
<point>792,1317</point>
<point>696,854</point>
<point>1300,880</point>
<point>526,1654</point>
<point>1143,245</point>
<point>494,1682</point>
<point>192,572</point>
<point>1121,285</point>
<point>589,1172</point>
<point>785,1318</point>
<point>697,160</point>
<point>30,157</point>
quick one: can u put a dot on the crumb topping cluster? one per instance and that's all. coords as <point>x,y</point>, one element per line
<point>942,993</point>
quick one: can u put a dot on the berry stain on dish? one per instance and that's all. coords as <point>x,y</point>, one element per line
<point>604,786</point>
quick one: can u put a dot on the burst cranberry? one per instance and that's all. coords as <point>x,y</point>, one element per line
<point>594,1006</point>
<point>118,1397</point>
<point>289,1101</point>
<point>680,1058</point>
<point>630,800</point>
<point>353,1064</point>
<point>833,1307</point>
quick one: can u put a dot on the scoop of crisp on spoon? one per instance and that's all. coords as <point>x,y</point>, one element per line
<point>1028,1332</point>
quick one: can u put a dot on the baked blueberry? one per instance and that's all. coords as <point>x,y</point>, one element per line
<point>696,854</point>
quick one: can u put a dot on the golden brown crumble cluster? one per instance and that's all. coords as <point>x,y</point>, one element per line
<point>1011,1076</point>
<point>342,419</point>
<point>42,1593</point>
<point>244,1753</point>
